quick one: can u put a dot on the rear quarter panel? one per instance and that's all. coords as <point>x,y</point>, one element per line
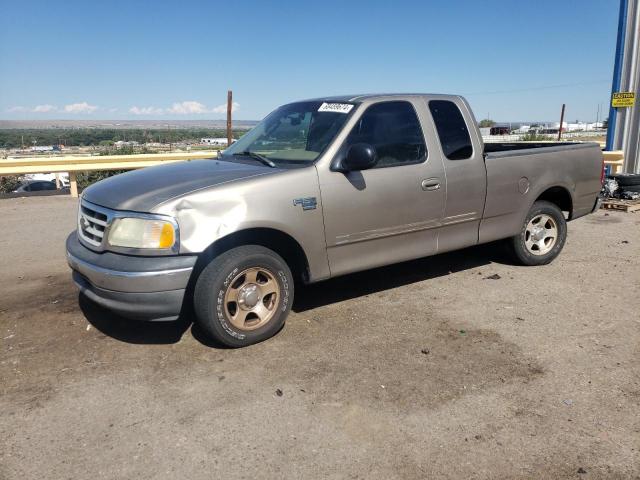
<point>515,179</point>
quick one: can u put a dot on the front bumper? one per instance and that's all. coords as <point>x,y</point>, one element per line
<point>142,288</point>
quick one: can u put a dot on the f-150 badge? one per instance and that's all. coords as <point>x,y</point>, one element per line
<point>308,203</point>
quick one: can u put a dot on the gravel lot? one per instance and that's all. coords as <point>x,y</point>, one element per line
<point>427,369</point>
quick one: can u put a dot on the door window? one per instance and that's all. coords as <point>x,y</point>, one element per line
<point>452,130</point>
<point>394,130</point>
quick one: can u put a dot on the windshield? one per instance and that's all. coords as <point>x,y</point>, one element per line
<point>295,133</point>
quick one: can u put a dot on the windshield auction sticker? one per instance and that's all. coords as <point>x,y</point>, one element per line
<point>335,107</point>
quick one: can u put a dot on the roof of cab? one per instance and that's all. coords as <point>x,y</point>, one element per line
<point>371,96</point>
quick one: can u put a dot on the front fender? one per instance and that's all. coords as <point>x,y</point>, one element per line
<point>270,202</point>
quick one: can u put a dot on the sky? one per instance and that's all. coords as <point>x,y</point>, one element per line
<point>156,59</point>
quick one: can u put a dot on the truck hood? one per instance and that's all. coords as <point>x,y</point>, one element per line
<point>142,190</point>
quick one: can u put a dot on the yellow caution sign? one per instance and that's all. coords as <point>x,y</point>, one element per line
<point>623,99</point>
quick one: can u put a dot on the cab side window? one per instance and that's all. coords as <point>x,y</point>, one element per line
<point>394,130</point>
<point>452,130</point>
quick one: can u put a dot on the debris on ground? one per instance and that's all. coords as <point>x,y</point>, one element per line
<point>568,402</point>
<point>628,195</point>
<point>610,188</point>
<point>621,187</point>
<point>279,392</point>
<point>582,471</point>
<point>495,276</point>
<point>425,351</point>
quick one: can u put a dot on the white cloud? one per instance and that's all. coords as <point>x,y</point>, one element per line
<point>146,110</point>
<point>223,108</point>
<point>44,108</point>
<point>83,107</point>
<point>188,107</point>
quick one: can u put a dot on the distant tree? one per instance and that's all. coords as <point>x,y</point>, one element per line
<point>486,123</point>
<point>533,137</point>
<point>9,183</point>
<point>12,138</point>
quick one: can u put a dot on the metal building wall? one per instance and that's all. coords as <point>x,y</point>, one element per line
<point>626,136</point>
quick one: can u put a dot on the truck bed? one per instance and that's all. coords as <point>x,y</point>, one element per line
<point>517,174</point>
<point>508,146</point>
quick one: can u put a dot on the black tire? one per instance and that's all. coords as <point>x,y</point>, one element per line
<point>518,243</point>
<point>627,179</point>
<point>209,295</point>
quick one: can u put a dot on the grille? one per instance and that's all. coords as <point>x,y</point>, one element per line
<point>91,225</point>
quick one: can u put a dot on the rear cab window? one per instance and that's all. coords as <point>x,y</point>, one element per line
<point>452,130</point>
<point>394,130</point>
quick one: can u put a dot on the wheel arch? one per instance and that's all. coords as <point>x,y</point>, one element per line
<point>280,242</point>
<point>559,196</point>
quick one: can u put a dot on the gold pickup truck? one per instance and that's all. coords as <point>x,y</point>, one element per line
<point>320,188</point>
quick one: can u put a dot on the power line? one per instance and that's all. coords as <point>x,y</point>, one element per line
<point>545,87</point>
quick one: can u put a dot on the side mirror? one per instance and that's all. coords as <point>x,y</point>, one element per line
<point>360,156</point>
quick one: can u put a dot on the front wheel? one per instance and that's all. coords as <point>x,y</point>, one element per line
<point>243,296</point>
<point>543,234</point>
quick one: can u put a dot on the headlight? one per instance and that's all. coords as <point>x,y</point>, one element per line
<point>142,233</point>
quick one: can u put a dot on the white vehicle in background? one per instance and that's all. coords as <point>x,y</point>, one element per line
<point>221,142</point>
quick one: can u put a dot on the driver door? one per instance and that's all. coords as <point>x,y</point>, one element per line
<point>390,212</point>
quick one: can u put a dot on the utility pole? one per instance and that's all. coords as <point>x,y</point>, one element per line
<point>229,109</point>
<point>561,122</point>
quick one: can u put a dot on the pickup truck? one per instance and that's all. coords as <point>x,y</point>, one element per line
<point>317,189</point>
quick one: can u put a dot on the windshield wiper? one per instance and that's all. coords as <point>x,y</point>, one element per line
<point>257,156</point>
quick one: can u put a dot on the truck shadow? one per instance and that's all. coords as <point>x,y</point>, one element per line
<point>354,285</point>
<point>307,297</point>
<point>132,331</point>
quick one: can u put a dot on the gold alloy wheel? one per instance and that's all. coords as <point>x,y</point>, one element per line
<point>541,234</point>
<point>251,298</point>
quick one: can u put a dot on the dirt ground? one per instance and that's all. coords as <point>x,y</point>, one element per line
<point>427,369</point>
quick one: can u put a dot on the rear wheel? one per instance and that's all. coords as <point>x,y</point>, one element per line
<point>543,234</point>
<point>243,296</point>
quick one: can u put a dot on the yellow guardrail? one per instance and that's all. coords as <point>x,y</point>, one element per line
<point>21,166</point>
<point>73,165</point>
<point>615,158</point>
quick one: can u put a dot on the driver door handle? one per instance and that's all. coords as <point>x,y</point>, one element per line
<point>430,184</point>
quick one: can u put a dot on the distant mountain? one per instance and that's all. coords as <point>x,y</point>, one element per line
<point>126,124</point>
